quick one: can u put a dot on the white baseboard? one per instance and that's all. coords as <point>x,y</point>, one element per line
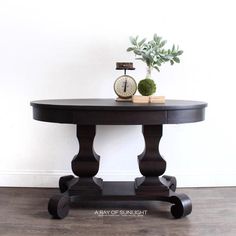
<point>27,178</point>
<point>50,178</point>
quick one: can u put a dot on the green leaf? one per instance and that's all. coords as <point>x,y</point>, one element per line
<point>172,62</point>
<point>173,48</point>
<point>130,49</point>
<point>152,43</point>
<point>157,68</point>
<point>168,57</point>
<point>137,51</point>
<point>141,42</point>
<point>176,59</point>
<point>158,63</point>
<point>163,43</point>
<point>180,52</point>
<point>133,40</point>
<point>157,39</point>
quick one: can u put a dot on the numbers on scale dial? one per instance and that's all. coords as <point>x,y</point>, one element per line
<point>125,86</point>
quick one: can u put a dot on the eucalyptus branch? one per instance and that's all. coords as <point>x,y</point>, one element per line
<point>153,52</point>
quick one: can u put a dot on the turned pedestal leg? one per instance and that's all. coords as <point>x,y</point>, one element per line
<point>86,163</point>
<point>151,164</point>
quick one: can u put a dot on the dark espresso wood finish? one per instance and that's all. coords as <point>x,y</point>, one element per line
<point>86,114</point>
<point>86,163</point>
<point>151,164</point>
<point>110,112</point>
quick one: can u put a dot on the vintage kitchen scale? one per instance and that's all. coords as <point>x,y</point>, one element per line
<point>125,86</point>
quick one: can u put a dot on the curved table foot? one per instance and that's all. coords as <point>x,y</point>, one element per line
<point>59,206</point>
<point>182,205</point>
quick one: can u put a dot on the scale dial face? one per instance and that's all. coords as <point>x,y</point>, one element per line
<point>125,86</point>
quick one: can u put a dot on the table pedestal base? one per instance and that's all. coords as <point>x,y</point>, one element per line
<point>86,186</point>
<point>59,204</point>
<point>151,186</point>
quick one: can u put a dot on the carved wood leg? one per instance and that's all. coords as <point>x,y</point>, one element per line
<point>151,164</point>
<point>85,165</point>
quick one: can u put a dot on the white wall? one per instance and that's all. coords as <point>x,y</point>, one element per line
<point>68,49</point>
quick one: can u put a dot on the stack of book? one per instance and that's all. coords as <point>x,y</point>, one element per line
<point>157,99</point>
<point>148,99</point>
<point>140,99</point>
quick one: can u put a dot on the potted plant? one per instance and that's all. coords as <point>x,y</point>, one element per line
<point>154,55</point>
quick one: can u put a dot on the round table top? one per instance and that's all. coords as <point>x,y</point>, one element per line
<point>109,111</point>
<point>111,104</point>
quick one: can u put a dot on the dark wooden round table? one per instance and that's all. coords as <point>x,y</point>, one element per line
<point>86,114</point>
